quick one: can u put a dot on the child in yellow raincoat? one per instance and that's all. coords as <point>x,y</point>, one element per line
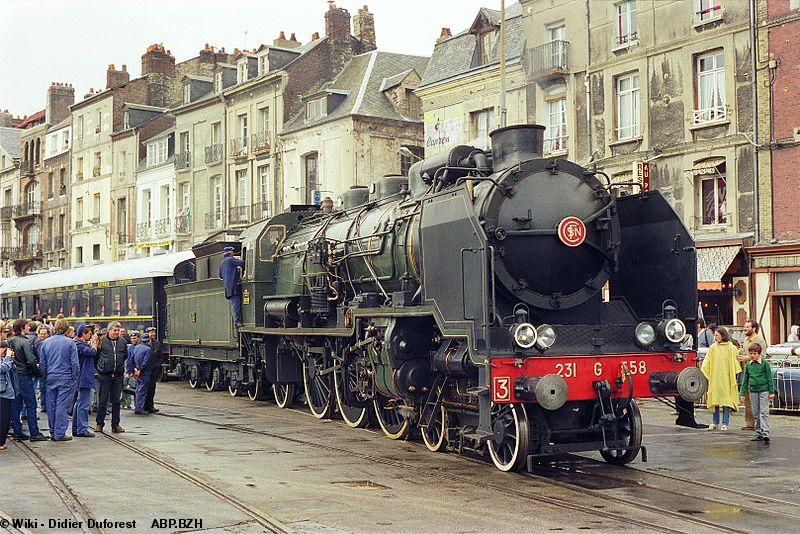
<point>720,367</point>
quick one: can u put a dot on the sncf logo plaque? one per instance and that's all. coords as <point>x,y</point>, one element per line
<point>571,231</point>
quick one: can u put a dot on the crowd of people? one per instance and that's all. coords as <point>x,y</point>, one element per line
<point>56,368</point>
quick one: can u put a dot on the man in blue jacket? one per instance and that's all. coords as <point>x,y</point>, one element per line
<point>58,360</point>
<point>230,272</point>
<point>85,343</point>
<point>137,365</point>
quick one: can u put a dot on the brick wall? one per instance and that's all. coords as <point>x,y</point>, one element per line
<point>784,46</point>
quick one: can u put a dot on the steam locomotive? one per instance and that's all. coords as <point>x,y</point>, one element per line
<point>497,301</point>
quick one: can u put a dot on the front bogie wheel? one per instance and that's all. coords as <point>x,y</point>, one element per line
<point>214,380</point>
<point>194,376</point>
<point>630,432</point>
<point>509,444</point>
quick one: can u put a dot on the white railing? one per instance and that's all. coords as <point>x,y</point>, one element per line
<point>712,114</point>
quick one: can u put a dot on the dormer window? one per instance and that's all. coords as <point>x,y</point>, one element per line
<point>187,93</point>
<point>263,65</point>
<point>485,44</point>
<point>242,73</point>
<point>218,82</point>
<point>316,109</point>
<point>126,120</point>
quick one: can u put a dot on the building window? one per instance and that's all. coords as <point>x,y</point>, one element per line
<point>263,65</point>
<point>625,27</point>
<point>407,161</point>
<point>147,205</point>
<point>316,109</point>
<point>184,142</point>
<point>79,255</point>
<point>64,140</point>
<point>558,53</point>
<point>707,10</point>
<point>486,45</point>
<point>628,125</point>
<point>187,93</point>
<point>50,184</point>
<point>157,152</point>
<point>165,202</point>
<point>242,71</point>
<point>96,207</point>
<point>215,133</point>
<point>243,130</point>
<point>311,178</point>
<point>98,164</point>
<point>710,88</point>
<point>123,164</point>
<point>62,182</point>
<point>79,168</point>
<point>241,187</point>
<point>555,134</point>
<point>216,200</point>
<point>218,82</point>
<point>96,252</point>
<point>126,120</point>
<point>713,193</point>
<point>482,123</point>
<point>185,198</point>
<point>263,185</point>
<point>263,120</point>
<point>99,126</point>
<point>79,213</point>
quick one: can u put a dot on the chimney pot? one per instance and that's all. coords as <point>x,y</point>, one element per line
<point>111,67</point>
<point>444,35</point>
<point>124,68</point>
<point>282,35</point>
<point>293,38</point>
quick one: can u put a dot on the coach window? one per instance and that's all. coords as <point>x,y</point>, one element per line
<point>99,302</point>
<point>133,307</point>
<point>116,300</point>
<point>145,299</point>
<point>58,306</point>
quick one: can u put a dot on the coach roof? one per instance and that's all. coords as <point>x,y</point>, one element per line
<point>149,267</point>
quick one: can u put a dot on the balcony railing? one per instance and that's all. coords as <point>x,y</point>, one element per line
<point>712,114</point>
<point>27,252</point>
<point>183,224</point>
<point>239,147</point>
<point>239,214</point>
<point>6,212</point>
<point>27,209</point>
<point>214,153</point>
<point>556,144</point>
<point>26,167</point>
<point>549,59</point>
<point>162,227</point>
<point>183,161</point>
<point>96,170</point>
<point>262,210</point>
<point>213,220</point>
<point>260,142</point>
<point>57,243</point>
<point>6,253</point>
<point>123,237</point>
<point>144,230</point>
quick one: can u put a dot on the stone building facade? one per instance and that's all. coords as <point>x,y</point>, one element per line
<point>669,88</point>
<point>460,88</point>
<point>9,191</point>
<point>775,259</point>
<point>350,131</point>
<point>26,214</point>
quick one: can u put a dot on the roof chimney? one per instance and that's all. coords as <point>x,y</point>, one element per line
<point>60,96</point>
<point>315,36</point>
<point>364,29</point>
<point>444,35</point>
<point>158,60</point>
<point>115,78</point>
<point>337,23</point>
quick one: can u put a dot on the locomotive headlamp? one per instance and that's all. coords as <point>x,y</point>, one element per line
<point>645,334</point>
<point>675,330</point>
<point>546,337</point>
<point>525,335</point>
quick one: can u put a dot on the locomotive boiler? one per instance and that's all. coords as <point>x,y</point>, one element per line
<point>496,301</point>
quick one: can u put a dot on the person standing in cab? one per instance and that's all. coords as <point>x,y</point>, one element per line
<point>720,367</point>
<point>230,272</point>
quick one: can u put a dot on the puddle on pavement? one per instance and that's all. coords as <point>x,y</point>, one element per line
<point>360,484</point>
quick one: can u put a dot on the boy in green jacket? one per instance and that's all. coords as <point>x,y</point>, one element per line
<point>757,380</point>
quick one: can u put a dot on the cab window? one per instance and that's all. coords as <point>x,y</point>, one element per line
<point>270,241</point>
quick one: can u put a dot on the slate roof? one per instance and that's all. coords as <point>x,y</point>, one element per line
<point>456,55</point>
<point>9,141</point>
<point>361,81</point>
<point>32,119</point>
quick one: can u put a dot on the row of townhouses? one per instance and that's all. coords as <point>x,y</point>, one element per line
<point>697,98</point>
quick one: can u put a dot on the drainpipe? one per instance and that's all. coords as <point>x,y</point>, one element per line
<point>753,58</point>
<point>224,199</point>
<point>587,82</point>
<point>502,63</point>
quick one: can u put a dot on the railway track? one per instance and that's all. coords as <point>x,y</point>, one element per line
<point>588,506</point>
<point>266,521</point>
<point>77,508</point>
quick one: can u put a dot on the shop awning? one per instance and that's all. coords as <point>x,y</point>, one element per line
<point>712,262</point>
<point>707,166</point>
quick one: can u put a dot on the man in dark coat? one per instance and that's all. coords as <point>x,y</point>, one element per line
<point>110,366</point>
<point>230,272</point>
<point>137,365</point>
<point>156,363</point>
<point>27,371</point>
<point>85,342</point>
<point>60,368</point>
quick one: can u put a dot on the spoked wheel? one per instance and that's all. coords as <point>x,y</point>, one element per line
<point>194,377</point>
<point>630,431</point>
<point>318,383</point>
<point>235,389</point>
<point>353,416</point>
<point>393,423</point>
<point>214,379</point>
<point>510,441</point>
<point>285,394</point>
<point>256,390</point>
<point>435,433</point>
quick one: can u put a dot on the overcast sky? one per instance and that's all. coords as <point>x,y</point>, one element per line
<point>74,41</point>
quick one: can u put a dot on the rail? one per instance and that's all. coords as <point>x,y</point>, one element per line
<point>239,214</point>
<point>239,147</point>
<point>213,220</point>
<point>213,153</point>
<point>183,161</point>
